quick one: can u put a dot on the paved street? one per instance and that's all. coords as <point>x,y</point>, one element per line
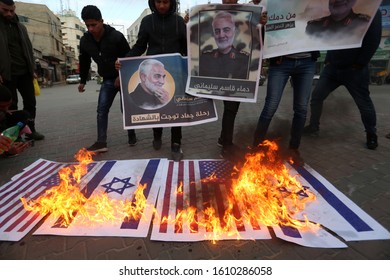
<point>68,120</point>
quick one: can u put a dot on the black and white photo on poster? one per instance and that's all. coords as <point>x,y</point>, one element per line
<point>307,25</point>
<point>153,93</point>
<point>224,47</point>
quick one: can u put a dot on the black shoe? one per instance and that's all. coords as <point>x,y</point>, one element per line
<point>295,157</point>
<point>157,144</point>
<point>35,136</point>
<point>177,153</point>
<point>220,142</point>
<point>98,147</point>
<point>311,130</point>
<point>132,140</point>
<point>372,141</point>
<point>232,153</point>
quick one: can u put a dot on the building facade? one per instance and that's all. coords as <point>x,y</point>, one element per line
<point>44,29</point>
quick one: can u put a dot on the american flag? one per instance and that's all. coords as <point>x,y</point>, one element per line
<point>198,184</point>
<point>118,179</point>
<point>15,221</point>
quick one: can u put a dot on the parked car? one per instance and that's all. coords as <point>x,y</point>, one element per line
<point>73,79</point>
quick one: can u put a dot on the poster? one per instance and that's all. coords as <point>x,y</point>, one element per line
<point>153,93</point>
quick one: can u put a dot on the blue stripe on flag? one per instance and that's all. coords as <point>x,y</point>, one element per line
<point>351,217</point>
<point>147,178</point>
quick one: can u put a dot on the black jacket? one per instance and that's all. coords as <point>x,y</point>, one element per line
<point>112,45</point>
<point>161,34</point>
<point>359,56</point>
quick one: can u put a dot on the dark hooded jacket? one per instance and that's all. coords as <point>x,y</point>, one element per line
<point>5,57</point>
<point>161,34</point>
<point>112,45</point>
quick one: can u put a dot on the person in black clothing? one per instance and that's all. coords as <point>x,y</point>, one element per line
<point>162,32</point>
<point>9,119</point>
<point>17,63</point>
<point>104,45</point>
<point>349,67</point>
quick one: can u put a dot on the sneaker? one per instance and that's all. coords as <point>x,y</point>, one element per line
<point>132,140</point>
<point>311,130</point>
<point>98,147</point>
<point>219,142</point>
<point>177,153</point>
<point>35,136</point>
<point>372,141</point>
<point>232,153</point>
<point>295,158</point>
<point>157,144</point>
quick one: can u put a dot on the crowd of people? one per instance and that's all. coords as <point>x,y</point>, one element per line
<point>164,32</point>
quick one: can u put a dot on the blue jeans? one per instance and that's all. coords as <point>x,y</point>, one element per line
<point>301,72</point>
<point>356,81</point>
<point>107,95</point>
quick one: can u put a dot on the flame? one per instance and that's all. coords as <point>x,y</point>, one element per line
<point>262,188</point>
<point>265,191</point>
<point>63,202</point>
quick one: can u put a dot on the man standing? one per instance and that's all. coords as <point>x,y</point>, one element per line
<point>226,62</point>
<point>104,45</point>
<point>349,67</point>
<point>150,93</point>
<point>17,63</point>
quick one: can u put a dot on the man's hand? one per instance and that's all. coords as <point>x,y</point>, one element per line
<point>162,95</point>
<point>264,18</point>
<point>5,144</point>
<point>118,65</point>
<point>81,87</point>
<point>18,147</point>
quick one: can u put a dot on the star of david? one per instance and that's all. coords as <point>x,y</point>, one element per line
<point>111,188</point>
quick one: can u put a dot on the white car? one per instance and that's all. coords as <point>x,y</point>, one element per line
<point>73,79</point>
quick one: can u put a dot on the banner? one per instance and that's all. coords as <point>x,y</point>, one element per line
<point>224,48</point>
<point>153,94</point>
<point>307,25</point>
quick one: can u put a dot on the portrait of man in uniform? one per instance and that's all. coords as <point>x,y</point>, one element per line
<point>226,60</point>
<point>341,20</point>
<point>150,93</point>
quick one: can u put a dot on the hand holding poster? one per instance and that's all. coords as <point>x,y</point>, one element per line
<point>153,93</point>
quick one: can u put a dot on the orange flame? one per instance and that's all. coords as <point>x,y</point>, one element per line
<point>264,189</point>
<point>67,200</point>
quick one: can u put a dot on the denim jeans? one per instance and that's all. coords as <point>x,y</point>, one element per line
<point>107,95</point>
<point>301,72</point>
<point>356,81</point>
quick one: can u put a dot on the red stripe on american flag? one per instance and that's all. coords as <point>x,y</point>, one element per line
<point>29,222</point>
<point>206,202</point>
<point>24,192</point>
<point>191,172</point>
<point>167,199</point>
<point>179,197</point>
<point>14,213</point>
<point>24,175</point>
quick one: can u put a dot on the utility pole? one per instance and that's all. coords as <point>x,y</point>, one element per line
<point>62,8</point>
